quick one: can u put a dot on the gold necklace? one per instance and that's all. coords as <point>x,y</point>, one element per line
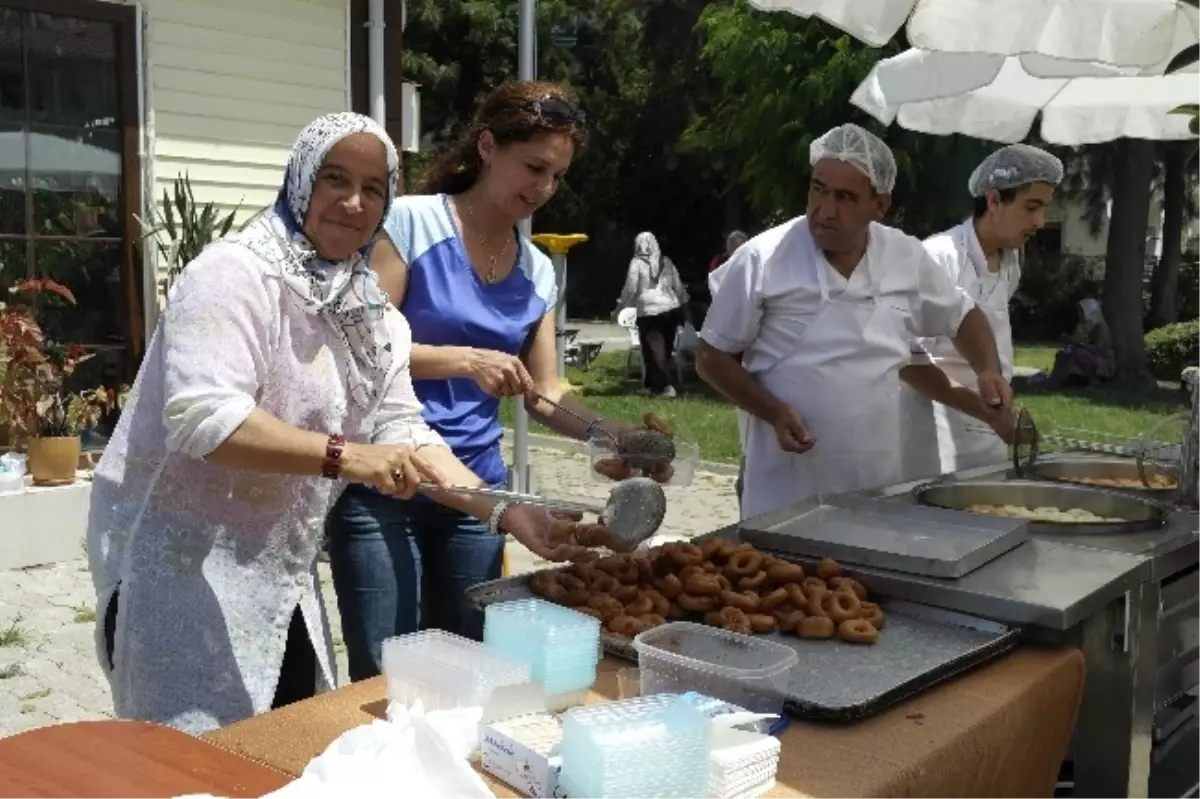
<point>489,276</point>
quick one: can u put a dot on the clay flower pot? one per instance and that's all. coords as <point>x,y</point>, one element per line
<point>52,461</point>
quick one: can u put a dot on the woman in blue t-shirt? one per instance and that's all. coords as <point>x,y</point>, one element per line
<point>480,299</point>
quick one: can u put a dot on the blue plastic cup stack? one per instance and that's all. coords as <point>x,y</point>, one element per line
<point>561,646</point>
<point>648,746</point>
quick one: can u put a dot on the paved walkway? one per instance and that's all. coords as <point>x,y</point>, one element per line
<point>48,667</point>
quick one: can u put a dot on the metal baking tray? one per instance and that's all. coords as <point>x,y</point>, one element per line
<point>868,532</point>
<point>1141,512</point>
<point>839,682</point>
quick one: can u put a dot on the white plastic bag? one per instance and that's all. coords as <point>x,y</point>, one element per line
<point>411,754</point>
<point>687,338</point>
<point>12,472</point>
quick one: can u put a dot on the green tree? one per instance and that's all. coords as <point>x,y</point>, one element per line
<point>784,81</point>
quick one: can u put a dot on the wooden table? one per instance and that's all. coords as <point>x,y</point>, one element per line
<point>125,758</point>
<point>1000,730</point>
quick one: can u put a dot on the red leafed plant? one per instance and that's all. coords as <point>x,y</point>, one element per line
<point>34,401</point>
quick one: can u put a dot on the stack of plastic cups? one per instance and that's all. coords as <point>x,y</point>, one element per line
<point>649,746</point>
<point>561,646</point>
<point>446,671</point>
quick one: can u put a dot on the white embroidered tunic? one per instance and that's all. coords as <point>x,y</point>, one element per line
<point>212,561</point>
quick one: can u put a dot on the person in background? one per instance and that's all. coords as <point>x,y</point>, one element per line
<point>480,299</point>
<point>811,323</point>
<point>653,287</point>
<point>948,427</point>
<point>277,371</point>
<point>1086,356</point>
<point>734,240</point>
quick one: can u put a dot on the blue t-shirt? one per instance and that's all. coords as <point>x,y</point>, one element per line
<point>447,304</point>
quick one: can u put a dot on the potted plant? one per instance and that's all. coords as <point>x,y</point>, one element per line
<point>35,405</point>
<point>182,228</point>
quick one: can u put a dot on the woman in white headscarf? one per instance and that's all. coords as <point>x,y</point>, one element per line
<point>1086,356</point>
<point>278,373</point>
<point>654,288</point>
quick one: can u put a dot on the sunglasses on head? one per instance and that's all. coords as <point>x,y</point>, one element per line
<point>554,111</point>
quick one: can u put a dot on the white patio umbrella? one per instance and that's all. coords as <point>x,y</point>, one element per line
<point>997,98</point>
<point>1117,32</point>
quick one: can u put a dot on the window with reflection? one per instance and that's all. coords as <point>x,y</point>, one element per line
<point>61,176</point>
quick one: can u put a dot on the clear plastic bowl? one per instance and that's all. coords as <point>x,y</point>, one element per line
<point>687,456</point>
<point>446,671</point>
<point>743,670</point>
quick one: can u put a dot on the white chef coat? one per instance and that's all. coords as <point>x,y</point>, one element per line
<point>961,441</point>
<point>829,347</point>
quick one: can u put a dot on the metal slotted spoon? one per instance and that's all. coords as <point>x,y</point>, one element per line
<point>643,449</point>
<point>633,513</point>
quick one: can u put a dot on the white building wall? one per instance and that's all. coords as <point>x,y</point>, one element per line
<point>229,86</point>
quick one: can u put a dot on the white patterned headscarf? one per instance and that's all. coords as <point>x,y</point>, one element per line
<point>346,293</point>
<point>645,247</point>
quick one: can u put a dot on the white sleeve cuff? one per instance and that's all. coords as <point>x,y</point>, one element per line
<point>407,433</point>
<point>199,427</point>
<point>723,343</point>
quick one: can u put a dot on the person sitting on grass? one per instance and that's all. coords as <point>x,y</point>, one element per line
<point>1086,356</point>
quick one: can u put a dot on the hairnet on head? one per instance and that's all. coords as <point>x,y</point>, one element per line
<point>1013,166</point>
<point>862,150</point>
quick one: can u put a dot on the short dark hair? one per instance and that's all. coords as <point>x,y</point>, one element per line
<point>1006,196</point>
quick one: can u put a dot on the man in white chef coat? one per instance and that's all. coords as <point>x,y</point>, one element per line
<point>946,426</point>
<point>811,323</point>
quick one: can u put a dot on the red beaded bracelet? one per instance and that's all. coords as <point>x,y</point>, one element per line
<point>331,467</point>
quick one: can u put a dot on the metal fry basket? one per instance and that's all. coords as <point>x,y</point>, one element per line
<point>1158,452</point>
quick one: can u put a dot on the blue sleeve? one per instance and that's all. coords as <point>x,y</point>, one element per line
<point>399,226</point>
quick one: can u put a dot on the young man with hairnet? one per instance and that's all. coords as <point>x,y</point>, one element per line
<point>947,427</point>
<point>811,323</point>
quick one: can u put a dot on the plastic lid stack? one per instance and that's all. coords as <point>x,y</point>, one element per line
<point>560,645</point>
<point>648,746</point>
<point>446,671</point>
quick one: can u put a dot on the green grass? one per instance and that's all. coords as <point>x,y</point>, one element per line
<point>1037,356</point>
<point>84,614</point>
<point>11,670</point>
<point>699,415</point>
<point>41,694</point>
<point>13,635</point>
<point>696,415</point>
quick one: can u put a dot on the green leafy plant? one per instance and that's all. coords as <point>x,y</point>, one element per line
<point>1171,349</point>
<point>1187,57</point>
<point>182,228</point>
<point>34,399</point>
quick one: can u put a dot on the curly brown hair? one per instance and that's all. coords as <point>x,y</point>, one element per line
<point>514,112</point>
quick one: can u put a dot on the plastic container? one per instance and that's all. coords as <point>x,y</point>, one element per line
<point>446,671</point>
<point>650,746</point>
<point>742,764</point>
<point>560,645</point>
<point>743,670</point>
<point>687,456</point>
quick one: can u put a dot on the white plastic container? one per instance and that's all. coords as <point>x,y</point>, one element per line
<point>446,671</point>
<point>743,670</point>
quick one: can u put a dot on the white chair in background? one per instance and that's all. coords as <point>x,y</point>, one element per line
<point>627,318</point>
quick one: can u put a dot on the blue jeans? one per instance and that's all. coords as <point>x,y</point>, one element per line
<point>401,566</point>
